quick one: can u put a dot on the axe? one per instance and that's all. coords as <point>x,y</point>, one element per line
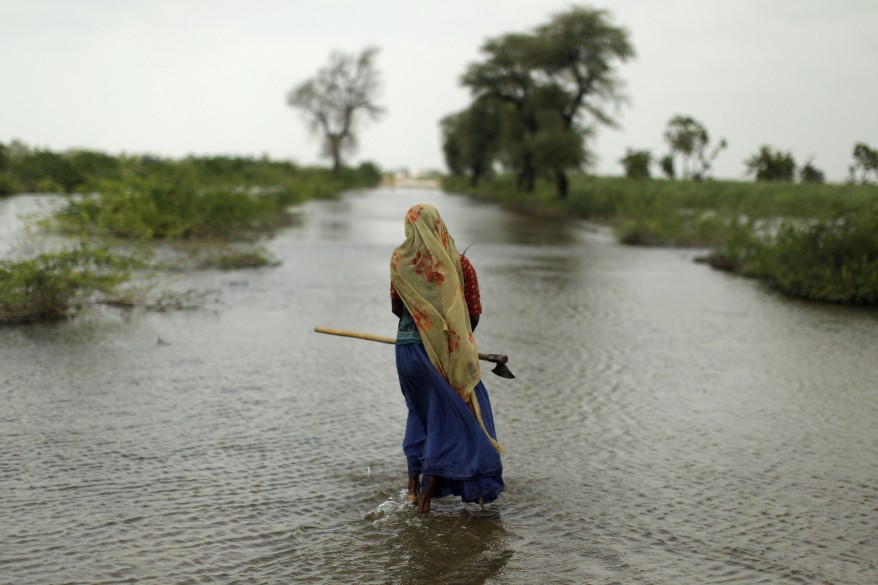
<point>499,361</point>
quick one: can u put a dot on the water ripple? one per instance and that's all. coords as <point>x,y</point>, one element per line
<point>668,424</point>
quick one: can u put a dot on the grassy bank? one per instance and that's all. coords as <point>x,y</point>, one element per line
<point>213,211</point>
<point>201,199</point>
<point>818,242</point>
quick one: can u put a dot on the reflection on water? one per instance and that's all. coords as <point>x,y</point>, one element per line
<point>456,545</point>
<point>668,423</point>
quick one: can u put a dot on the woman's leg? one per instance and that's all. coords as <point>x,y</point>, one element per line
<point>414,489</point>
<point>413,447</point>
<point>427,495</point>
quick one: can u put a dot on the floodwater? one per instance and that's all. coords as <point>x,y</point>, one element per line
<point>668,424</point>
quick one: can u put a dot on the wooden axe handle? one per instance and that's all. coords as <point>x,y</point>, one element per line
<point>488,357</point>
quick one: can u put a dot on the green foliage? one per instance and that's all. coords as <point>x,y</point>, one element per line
<point>8,185</point>
<point>688,138</point>
<point>835,262</point>
<point>770,165</point>
<point>813,241</point>
<point>367,174</point>
<point>556,83</point>
<point>471,138</point>
<point>865,162</point>
<point>667,165</point>
<point>44,170</point>
<point>209,200</point>
<point>636,163</point>
<point>95,166</point>
<point>4,158</point>
<point>251,258</point>
<point>90,171</point>
<point>220,199</point>
<point>811,174</point>
<point>157,207</point>
<point>53,285</point>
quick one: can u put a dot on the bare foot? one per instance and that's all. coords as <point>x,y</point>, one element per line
<point>427,495</point>
<point>414,489</point>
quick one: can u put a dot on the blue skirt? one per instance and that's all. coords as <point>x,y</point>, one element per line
<point>442,436</point>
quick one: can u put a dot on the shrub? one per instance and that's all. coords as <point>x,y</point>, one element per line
<point>54,285</point>
<point>813,241</point>
<point>835,262</point>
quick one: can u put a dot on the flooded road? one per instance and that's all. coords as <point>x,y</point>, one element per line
<point>669,424</point>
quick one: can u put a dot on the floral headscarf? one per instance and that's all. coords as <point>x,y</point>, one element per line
<point>425,271</point>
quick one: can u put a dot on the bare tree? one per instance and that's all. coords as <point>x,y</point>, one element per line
<point>338,99</point>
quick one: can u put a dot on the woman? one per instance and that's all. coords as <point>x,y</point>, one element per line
<point>449,437</point>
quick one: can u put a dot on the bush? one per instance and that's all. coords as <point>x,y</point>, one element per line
<point>42,170</point>
<point>812,241</point>
<point>169,206</point>
<point>54,285</point>
<point>831,262</point>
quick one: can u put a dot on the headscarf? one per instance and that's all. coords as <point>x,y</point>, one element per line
<point>426,273</point>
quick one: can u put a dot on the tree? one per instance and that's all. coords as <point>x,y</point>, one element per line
<point>450,127</point>
<point>667,164</point>
<point>95,165</point>
<point>811,174</point>
<point>44,169</point>
<point>507,76</point>
<point>769,165</point>
<point>579,50</point>
<point>557,81</point>
<point>865,161</point>
<point>689,139</point>
<point>4,158</point>
<point>337,100</point>
<point>636,163</point>
<point>471,138</point>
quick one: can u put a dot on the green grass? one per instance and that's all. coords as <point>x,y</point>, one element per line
<point>175,202</point>
<point>818,242</point>
<point>208,206</point>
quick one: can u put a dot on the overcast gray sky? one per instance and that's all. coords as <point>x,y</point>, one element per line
<point>179,77</point>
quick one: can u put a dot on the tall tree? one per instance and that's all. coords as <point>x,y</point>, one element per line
<point>865,161</point>
<point>470,138</point>
<point>507,75</point>
<point>559,80</point>
<point>578,53</point>
<point>340,97</point>
<point>688,138</point>
<point>450,126</point>
<point>667,164</point>
<point>4,157</point>
<point>771,165</point>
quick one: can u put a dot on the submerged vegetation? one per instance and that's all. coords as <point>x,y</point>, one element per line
<point>213,210</point>
<point>812,241</point>
<point>54,285</point>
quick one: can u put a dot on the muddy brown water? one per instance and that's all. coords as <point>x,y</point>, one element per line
<point>669,424</point>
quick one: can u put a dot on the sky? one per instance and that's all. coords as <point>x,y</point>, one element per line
<point>174,78</point>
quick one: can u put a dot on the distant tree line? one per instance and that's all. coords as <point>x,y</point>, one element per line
<point>690,151</point>
<point>24,169</point>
